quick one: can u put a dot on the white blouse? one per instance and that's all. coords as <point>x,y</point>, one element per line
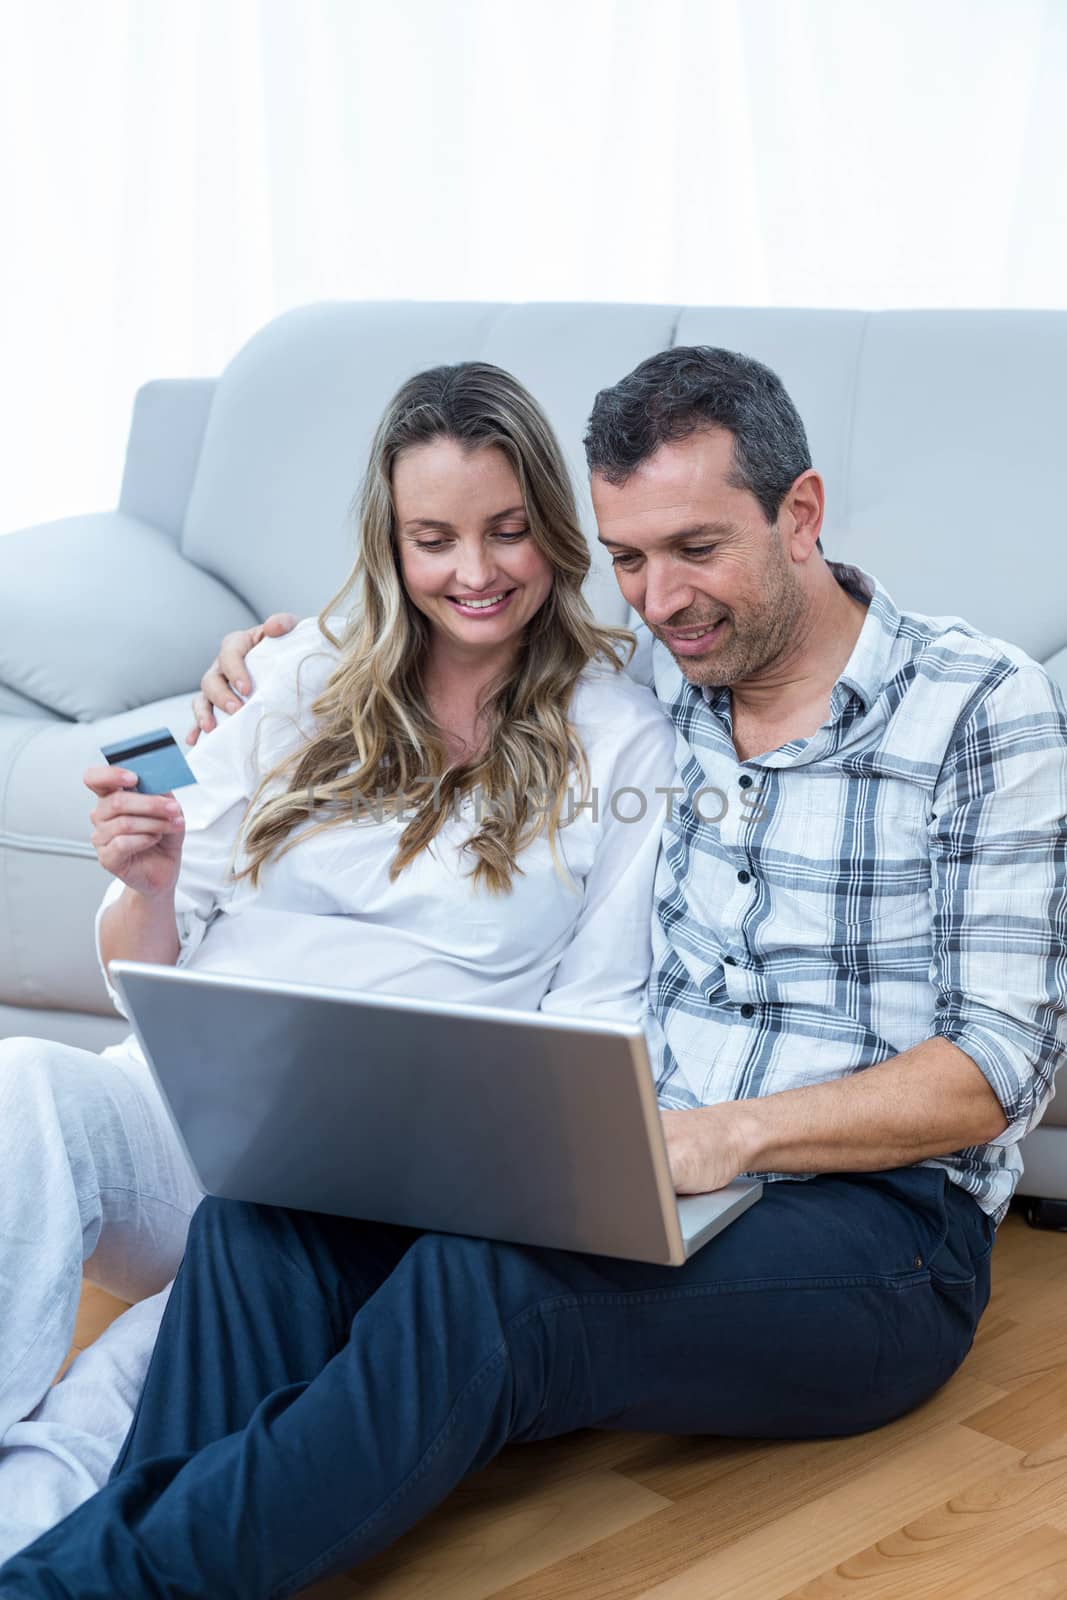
<point>575,942</point>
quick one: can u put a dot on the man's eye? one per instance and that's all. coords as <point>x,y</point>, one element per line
<point>698,550</point>
<point>623,561</point>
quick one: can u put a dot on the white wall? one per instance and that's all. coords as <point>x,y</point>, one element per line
<point>173,174</point>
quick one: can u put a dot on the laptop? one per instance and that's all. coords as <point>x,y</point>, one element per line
<point>508,1125</point>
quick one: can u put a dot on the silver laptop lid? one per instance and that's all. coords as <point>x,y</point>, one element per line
<point>464,1119</point>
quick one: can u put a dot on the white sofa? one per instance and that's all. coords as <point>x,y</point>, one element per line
<point>940,435</point>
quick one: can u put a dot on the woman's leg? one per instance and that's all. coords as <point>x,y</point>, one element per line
<point>93,1179</point>
<point>64,1450</point>
<point>830,1307</point>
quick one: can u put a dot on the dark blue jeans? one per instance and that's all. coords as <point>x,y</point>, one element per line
<point>319,1384</point>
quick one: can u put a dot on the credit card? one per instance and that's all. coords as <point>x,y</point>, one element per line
<point>156,759</point>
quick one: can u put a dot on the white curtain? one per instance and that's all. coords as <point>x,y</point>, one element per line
<point>175,172</point>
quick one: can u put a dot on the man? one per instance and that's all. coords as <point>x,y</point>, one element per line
<point>858,991</point>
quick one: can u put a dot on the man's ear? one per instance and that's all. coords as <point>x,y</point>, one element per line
<point>805,501</point>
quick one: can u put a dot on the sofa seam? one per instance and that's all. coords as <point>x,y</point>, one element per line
<point>179,533</point>
<point>45,844</point>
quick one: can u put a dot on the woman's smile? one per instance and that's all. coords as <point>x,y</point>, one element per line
<point>475,606</point>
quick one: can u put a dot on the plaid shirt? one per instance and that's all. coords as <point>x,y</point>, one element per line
<point>901,874</point>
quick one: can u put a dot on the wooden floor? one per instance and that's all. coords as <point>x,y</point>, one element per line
<point>966,1499</point>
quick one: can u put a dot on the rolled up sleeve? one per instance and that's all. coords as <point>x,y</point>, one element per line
<point>998,840</point>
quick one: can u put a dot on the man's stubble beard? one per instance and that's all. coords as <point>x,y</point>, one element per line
<point>766,632</point>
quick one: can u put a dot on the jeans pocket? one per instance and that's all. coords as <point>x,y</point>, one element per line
<point>959,1272</point>
<point>964,1251</point>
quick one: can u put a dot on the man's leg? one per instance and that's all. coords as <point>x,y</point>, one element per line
<point>93,1178</point>
<point>830,1307</point>
<point>266,1303</point>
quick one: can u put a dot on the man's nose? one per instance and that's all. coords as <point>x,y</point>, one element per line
<point>666,594</point>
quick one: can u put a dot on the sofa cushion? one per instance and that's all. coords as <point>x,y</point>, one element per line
<point>101,613</point>
<point>955,483</point>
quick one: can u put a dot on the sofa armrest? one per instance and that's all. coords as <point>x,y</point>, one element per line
<point>100,614</point>
<point>166,432</point>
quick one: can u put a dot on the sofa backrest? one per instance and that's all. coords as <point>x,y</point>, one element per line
<point>938,434</point>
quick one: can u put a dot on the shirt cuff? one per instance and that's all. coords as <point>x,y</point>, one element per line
<point>1020,1092</point>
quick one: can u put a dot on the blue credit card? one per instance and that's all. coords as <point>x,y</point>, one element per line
<point>156,759</point>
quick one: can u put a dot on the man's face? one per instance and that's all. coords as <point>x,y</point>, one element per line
<point>697,558</point>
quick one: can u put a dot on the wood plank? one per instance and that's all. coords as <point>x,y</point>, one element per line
<point>1028,1417</point>
<point>1012,1357</point>
<point>872,1505</point>
<point>1034,1252</point>
<point>1029,1567</point>
<point>479,1547</point>
<point>959,1540</point>
<point>1025,1299</point>
<point>713,1509</point>
<point>96,1310</point>
<point>1032,1567</point>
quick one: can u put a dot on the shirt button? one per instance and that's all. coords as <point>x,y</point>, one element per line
<point>745,781</point>
<point>747,1010</point>
<point>744,877</point>
<point>728,961</point>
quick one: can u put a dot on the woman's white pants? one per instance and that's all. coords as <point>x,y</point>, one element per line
<point>93,1180</point>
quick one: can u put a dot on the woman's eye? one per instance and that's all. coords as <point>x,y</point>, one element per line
<point>430,544</point>
<point>512,533</point>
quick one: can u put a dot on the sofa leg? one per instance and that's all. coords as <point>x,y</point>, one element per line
<point>1045,1213</point>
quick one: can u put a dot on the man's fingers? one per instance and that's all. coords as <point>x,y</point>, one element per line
<point>217,691</point>
<point>280,623</point>
<point>203,712</point>
<point>227,677</point>
<point>231,664</point>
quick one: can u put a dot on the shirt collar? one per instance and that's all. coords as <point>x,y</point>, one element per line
<point>867,668</point>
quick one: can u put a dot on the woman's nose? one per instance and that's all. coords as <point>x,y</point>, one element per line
<point>474,568</point>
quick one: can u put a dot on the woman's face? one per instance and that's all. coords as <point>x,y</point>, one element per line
<point>468,559</point>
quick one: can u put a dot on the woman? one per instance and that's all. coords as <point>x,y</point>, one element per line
<point>417,802</point>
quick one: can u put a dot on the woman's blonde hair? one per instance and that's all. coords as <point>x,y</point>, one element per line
<point>376,745</point>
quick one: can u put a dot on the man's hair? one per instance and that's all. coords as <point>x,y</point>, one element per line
<point>682,391</point>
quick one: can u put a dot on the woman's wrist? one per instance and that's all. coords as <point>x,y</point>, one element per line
<point>141,927</point>
<point>138,902</point>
